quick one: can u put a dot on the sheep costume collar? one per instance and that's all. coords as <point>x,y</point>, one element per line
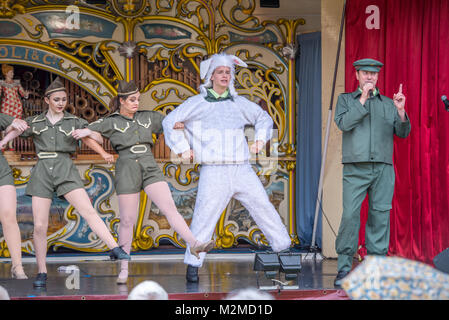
<point>208,66</point>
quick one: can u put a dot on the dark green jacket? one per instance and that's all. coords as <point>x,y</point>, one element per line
<point>368,129</point>
<point>124,132</point>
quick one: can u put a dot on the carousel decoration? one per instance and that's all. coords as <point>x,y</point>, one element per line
<point>159,44</point>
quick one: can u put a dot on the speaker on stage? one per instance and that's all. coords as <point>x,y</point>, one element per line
<point>269,3</point>
<point>441,261</point>
<point>290,264</point>
<point>267,262</point>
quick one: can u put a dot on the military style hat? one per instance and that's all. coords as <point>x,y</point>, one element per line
<point>126,88</point>
<point>368,65</point>
<point>55,86</point>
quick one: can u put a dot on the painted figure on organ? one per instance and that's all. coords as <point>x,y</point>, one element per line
<point>10,92</point>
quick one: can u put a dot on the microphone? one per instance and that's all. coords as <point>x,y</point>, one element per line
<point>446,102</point>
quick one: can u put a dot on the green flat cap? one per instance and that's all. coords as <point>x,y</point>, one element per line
<point>368,65</point>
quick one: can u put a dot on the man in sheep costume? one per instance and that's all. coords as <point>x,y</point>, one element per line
<point>214,123</point>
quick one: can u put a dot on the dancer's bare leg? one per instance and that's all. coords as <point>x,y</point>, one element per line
<point>160,194</point>
<point>79,199</point>
<point>41,210</point>
<point>11,231</point>
<point>128,206</point>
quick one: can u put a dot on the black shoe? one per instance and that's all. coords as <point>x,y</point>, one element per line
<point>339,278</point>
<point>41,280</point>
<point>192,273</point>
<point>119,254</point>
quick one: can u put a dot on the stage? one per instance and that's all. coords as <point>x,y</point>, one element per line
<point>220,274</point>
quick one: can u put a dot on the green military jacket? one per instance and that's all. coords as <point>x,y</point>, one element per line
<point>124,132</point>
<point>5,122</point>
<point>368,129</point>
<point>56,137</point>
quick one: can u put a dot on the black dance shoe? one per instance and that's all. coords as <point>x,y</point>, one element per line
<point>192,273</point>
<point>339,278</point>
<point>119,254</point>
<point>41,280</point>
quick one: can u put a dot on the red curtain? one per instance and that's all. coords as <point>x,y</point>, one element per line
<point>411,37</point>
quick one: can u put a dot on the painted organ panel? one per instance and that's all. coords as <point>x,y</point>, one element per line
<point>159,44</point>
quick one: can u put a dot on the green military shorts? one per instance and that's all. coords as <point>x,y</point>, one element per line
<point>5,172</point>
<point>135,171</point>
<point>51,175</point>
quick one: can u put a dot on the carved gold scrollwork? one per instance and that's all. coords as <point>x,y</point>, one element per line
<point>288,161</point>
<point>258,237</point>
<point>247,54</point>
<point>225,236</point>
<point>4,252</point>
<point>93,83</point>
<point>289,150</point>
<point>95,54</point>
<point>160,8</point>
<point>258,84</point>
<point>130,8</point>
<point>191,175</point>
<point>248,22</point>
<point>9,8</point>
<point>165,94</point>
<point>142,239</point>
<point>207,27</point>
<point>18,178</point>
<point>288,165</point>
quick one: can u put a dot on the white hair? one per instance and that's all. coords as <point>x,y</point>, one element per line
<point>207,68</point>
<point>4,294</point>
<point>249,294</point>
<point>148,290</point>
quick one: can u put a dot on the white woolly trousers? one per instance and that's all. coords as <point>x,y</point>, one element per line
<point>217,185</point>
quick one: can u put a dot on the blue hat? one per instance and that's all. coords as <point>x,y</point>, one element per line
<point>368,65</point>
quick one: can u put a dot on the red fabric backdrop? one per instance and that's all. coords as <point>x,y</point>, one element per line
<point>413,43</point>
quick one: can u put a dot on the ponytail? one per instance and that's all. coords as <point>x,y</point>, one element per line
<point>114,104</point>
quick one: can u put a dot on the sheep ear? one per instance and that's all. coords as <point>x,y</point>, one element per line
<point>239,61</point>
<point>204,67</point>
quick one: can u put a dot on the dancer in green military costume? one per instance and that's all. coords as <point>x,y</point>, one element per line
<point>8,200</point>
<point>369,122</point>
<point>130,132</point>
<point>55,172</point>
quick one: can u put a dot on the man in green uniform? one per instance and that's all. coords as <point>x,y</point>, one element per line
<point>369,121</point>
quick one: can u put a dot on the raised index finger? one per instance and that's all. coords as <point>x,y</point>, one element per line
<point>400,88</point>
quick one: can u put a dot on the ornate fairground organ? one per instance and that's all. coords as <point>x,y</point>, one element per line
<point>159,44</point>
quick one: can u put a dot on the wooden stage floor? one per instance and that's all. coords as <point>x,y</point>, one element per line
<point>220,274</point>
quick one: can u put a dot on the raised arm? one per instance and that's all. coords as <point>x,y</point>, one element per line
<point>402,125</point>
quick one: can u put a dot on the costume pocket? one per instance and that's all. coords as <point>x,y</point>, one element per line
<point>146,123</point>
<point>66,129</point>
<point>121,127</point>
<point>38,128</point>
